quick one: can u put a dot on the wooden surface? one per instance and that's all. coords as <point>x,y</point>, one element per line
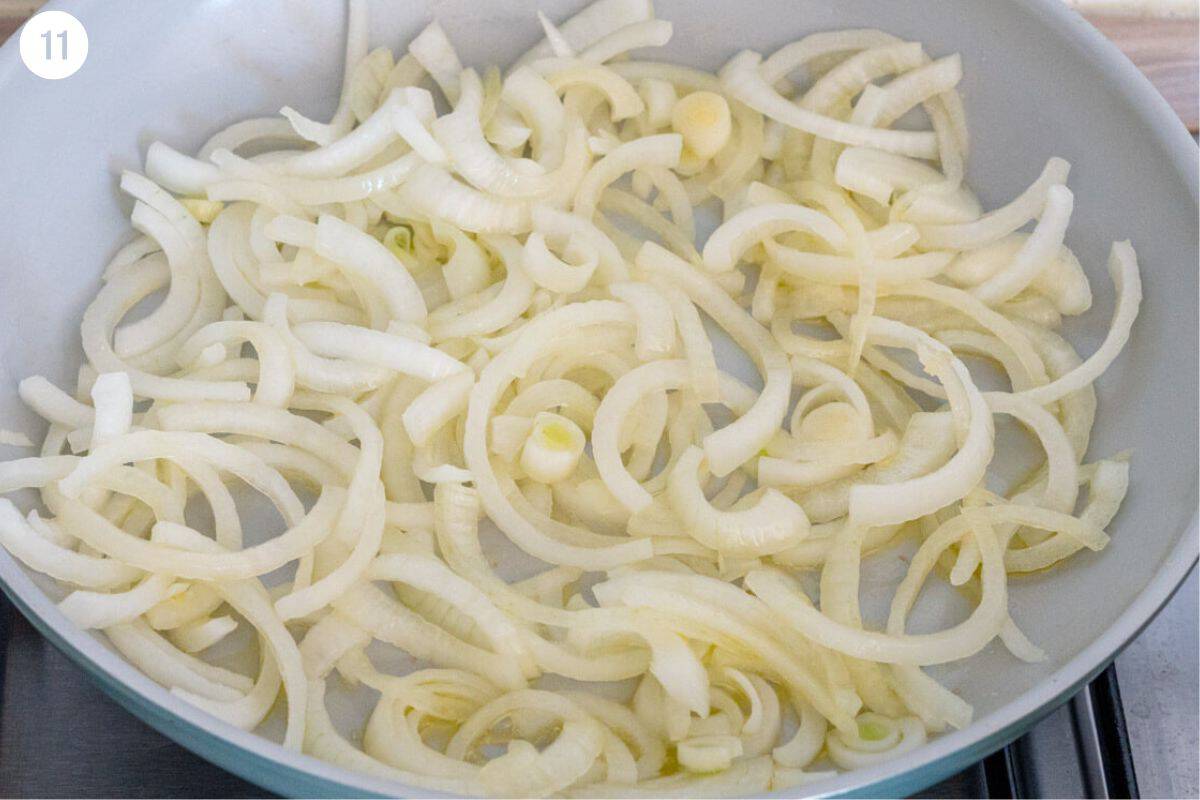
<point>13,13</point>
<point>1164,49</point>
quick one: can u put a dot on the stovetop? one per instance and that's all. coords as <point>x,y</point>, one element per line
<point>1132,732</point>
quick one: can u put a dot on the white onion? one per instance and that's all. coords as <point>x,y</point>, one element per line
<point>661,150</point>
<point>728,242</point>
<point>772,524</point>
<point>434,52</point>
<point>742,79</point>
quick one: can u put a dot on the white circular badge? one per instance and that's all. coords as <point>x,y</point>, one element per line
<point>54,45</point>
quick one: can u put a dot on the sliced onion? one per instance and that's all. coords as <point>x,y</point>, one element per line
<point>1123,267</point>
<point>749,227</point>
<point>336,314</point>
<point>772,524</point>
<point>742,79</point>
<point>662,150</point>
<point>1002,221</point>
<point>434,52</point>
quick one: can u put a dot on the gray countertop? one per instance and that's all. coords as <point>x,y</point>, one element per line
<point>1159,690</point>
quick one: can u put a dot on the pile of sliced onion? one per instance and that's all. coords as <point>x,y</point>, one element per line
<point>406,329</point>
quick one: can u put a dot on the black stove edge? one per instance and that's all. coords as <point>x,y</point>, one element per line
<point>1113,735</point>
<point>1104,757</point>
